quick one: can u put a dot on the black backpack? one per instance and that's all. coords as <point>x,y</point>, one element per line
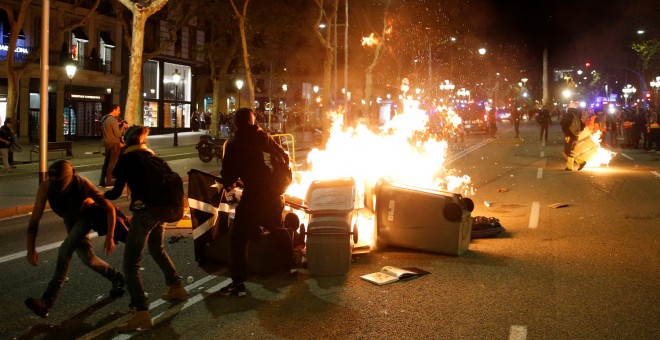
<point>165,197</point>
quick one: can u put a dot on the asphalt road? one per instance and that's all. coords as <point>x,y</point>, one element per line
<point>585,271</point>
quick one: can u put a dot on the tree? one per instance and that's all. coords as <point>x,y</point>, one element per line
<point>15,69</point>
<point>379,42</point>
<point>646,50</point>
<point>327,11</point>
<point>220,50</point>
<point>242,16</point>
<point>140,15</point>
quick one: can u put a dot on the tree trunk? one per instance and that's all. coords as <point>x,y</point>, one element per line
<point>133,97</point>
<point>246,62</point>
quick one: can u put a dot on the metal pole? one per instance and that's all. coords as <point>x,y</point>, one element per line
<point>70,106</point>
<point>346,63</point>
<point>176,118</point>
<point>334,61</point>
<point>43,119</point>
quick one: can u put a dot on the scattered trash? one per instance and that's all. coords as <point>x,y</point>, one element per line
<point>488,203</point>
<point>190,279</point>
<point>485,227</point>
<point>502,190</point>
<point>558,205</point>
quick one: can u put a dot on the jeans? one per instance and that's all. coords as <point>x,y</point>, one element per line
<point>4,153</point>
<point>145,231</point>
<point>77,240</point>
<point>251,213</point>
<point>112,153</point>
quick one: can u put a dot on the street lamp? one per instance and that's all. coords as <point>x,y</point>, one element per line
<point>71,69</point>
<point>656,85</point>
<point>176,78</point>
<point>239,86</point>
<point>482,51</point>
<point>627,92</point>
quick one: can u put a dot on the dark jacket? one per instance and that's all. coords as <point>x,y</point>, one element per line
<point>129,171</point>
<point>570,123</point>
<point>243,158</point>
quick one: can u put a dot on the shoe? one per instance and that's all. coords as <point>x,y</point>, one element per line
<point>174,293</point>
<point>582,166</point>
<point>233,289</point>
<point>137,320</point>
<point>38,306</point>
<point>567,169</point>
<point>118,285</point>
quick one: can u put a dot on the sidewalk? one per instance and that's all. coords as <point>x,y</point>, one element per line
<point>18,189</point>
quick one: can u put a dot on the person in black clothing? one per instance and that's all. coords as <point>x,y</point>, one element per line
<point>144,230</point>
<point>515,118</point>
<point>261,205</point>
<point>70,195</point>
<point>544,123</point>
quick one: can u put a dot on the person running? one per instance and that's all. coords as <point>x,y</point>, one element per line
<point>69,195</point>
<point>144,230</point>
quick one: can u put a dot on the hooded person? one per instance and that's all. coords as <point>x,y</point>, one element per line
<point>571,126</point>
<point>261,202</point>
<point>69,196</point>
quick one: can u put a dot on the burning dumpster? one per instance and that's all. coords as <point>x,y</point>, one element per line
<point>423,219</point>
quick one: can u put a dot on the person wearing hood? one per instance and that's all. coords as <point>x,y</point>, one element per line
<point>261,204</point>
<point>69,196</point>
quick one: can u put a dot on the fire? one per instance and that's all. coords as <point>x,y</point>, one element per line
<point>602,156</point>
<point>371,40</point>
<point>402,151</point>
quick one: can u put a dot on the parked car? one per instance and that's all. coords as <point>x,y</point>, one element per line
<point>503,115</point>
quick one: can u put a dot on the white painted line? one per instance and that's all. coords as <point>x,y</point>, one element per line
<point>542,154</point>
<point>624,155</point>
<point>534,216</point>
<point>539,173</point>
<point>162,316</point>
<point>23,254</point>
<point>655,173</point>
<point>518,332</point>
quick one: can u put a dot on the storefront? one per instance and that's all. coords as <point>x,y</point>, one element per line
<point>167,92</point>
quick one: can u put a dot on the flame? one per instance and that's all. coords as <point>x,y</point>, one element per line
<point>371,40</point>
<point>602,156</point>
<point>402,151</point>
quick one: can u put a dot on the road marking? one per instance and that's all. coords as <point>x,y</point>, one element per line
<point>174,309</point>
<point>468,150</point>
<point>23,254</point>
<point>517,332</point>
<point>534,217</point>
<point>655,173</point>
<point>539,173</point>
<point>624,155</point>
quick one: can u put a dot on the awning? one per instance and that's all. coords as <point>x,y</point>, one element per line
<point>105,38</point>
<point>79,34</point>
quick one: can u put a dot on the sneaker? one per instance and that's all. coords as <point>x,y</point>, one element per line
<point>137,320</point>
<point>582,166</point>
<point>38,306</point>
<point>118,285</point>
<point>233,289</point>
<point>174,293</point>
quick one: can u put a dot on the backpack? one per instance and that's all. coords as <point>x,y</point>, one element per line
<point>278,167</point>
<point>165,197</point>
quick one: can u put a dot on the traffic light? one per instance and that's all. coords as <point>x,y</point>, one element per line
<point>587,64</point>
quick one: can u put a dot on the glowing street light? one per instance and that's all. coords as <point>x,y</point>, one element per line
<point>628,91</point>
<point>239,86</point>
<point>482,51</point>
<point>656,85</point>
<point>71,69</point>
<point>176,78</point>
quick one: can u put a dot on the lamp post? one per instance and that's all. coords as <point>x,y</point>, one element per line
<point>176,77</point>
<point>627,92</point>
<point>239,86</point>
<point>656,85</point>
<point>316,100</point>
<point>71,69</point>
<point>283,106</point>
